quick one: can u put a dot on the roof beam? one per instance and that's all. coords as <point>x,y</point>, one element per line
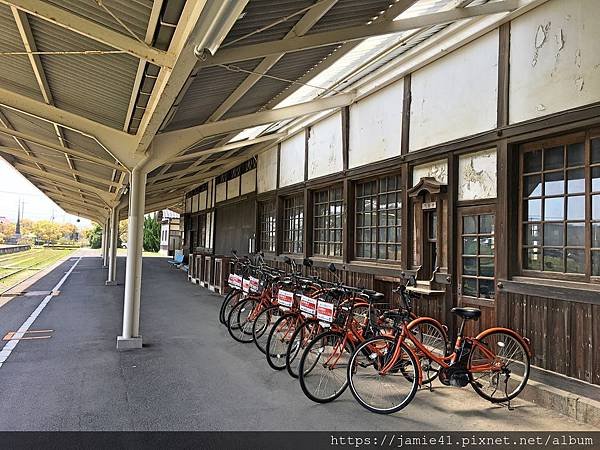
<point>117,142</point>
<point>195,169</point>
<point>203,23</point>
<point>18,136</point>
<point>248,52</point>
<point>60,199</point>
<point>229,146</point>
<point>92,30</point>
<point>69,171</point>
<point>167,145</point>
<point>54,190</point>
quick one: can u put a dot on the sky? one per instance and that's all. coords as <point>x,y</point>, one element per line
<point>37,205</point>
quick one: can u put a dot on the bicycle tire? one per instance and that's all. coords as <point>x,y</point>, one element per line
<point>279,335</point>
<point>259,336</point>
<point>294,353</point>
<point>239,322</point>
<point>231,299</point>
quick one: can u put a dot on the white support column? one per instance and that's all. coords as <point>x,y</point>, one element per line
<point>114,239</point>
<point>131,339</point>
<point>105,240</point>
<point>103,244</point>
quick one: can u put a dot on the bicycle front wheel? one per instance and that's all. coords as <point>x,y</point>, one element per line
<point>322,369</point>
<point>241,318</point>
<point>383,393</point>
<point>300,339</point>
<point>499,366</point>
<point>262,326</point>
<point>279,338</point>
<point>232,298</point>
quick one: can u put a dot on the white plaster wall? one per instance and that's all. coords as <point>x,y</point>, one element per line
<point>202,200</point>
<point>188,205</point>
<point>291,165</point>
<point>325,147</point>
<point>376,126</point>
<point>436,169</point>
<point>267,170</point>
<point>455,96</point>
<point>249,181</point>
<point>477,175</point>
<point>221,192</point>
<point>554,58</point>
<point>209,229</point>
<point>233,188</point>
<point>195,203</point>
<point>210,193</point>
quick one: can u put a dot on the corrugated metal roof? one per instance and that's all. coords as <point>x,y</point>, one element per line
<point>348,13</point>
<point>15,71</point>
<point>133,13</point>
<point>95,86</point>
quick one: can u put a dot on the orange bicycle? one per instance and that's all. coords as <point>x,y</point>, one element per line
<point>385,372</point>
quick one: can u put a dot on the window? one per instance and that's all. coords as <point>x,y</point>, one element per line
<point>477,266</point>
<point>267,225</point>
<point>560,214</point>
<point>201,236</point>
<point>327,227</point>
<point>378,219</point>
<point>293,224</point>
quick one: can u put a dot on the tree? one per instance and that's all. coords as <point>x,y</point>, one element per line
<point>47,231</point>
<point>151,235</point>
<point>123,224</point>
<point>7,229</point>
<point>95,236</point>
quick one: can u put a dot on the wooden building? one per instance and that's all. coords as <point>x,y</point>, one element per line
<point>479,169</point>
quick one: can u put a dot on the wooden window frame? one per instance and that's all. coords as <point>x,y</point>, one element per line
<point>327,229</point>
<point>293,224</point>
<point>376,227</point>
<point>267,222</point>
<point>586,138</point>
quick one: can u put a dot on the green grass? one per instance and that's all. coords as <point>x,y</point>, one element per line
<point>16,267</point>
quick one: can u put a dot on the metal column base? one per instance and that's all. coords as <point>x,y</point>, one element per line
<point>131,343</point>
<point>111,283</point>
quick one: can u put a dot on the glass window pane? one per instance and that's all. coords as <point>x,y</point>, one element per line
<point>575,154</point>
<point>576,234</point>
<point>533,234</point>
<point>553,158</point>
<point>469,287</point>
<point>575,181</point>
<point>554,183</point>
<point>576,208</point>
<point>486,267</point>
<point>470,266</point>
<point>596,235</point>
<point>533,161</point>
<point>469,245</point>
<point>575,260</point>
<point>596,179</point>
<point>596,150</point>
<point>554,209</point>
<point>486,245</point>
<point>470,224</point>
<point>596,263</point>
<point>596,207</point>
<point>553,260</point>
<point>533,210</point>
<point>533,259</point>
<point>486,224</point>
<point>554,234</point>
<point>486,289</point>
<point>532,186</point>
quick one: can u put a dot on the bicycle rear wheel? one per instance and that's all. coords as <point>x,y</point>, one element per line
<point>241,318</point>
<point>300,339</point>
<point>508,362</point>
<point>435,340</point>
<point>323,366</point>
<point>279,337</point>
<point>262,326</point>
<point>383,393</point>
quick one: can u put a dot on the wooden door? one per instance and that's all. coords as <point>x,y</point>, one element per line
<point>476,264</point>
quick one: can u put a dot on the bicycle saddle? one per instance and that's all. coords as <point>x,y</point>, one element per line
<point>467,313</point>
<point>373,295</point>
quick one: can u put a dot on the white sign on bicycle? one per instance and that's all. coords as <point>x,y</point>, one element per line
<point>235,281</point>
<point>246,285</point>
<point>285,298</point>
<point>325,311</point>
<point>308,305</point>
<point>253,284</point>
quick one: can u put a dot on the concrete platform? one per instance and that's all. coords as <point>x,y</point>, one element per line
<point>189,375</point>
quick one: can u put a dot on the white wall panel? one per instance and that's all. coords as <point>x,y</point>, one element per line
<point>267,171</point>
<point>455,96</point>
<point>221,192</point>
<point>233,188</point>
<point>554,59</point>
<point>436,169</point>
<point>376,126</point>
<point>195,203</point>
<point>249,181</point>
<point>477,175</point>
<point>291,166</point>
<point>202,200</point>
<point>325,147</point>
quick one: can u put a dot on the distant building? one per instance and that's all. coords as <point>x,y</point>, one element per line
<point>170,234</point>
